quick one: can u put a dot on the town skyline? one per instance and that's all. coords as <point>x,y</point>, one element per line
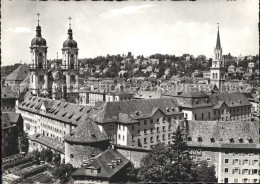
<point>137,27</point>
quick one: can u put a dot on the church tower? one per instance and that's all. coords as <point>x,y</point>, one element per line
<point>217,72</point>
<point>38,67</point>
<point>70,67</point>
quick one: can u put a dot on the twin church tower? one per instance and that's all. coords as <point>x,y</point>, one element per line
<point>58,81</point>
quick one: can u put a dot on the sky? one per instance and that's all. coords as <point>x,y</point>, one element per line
<point>140,27</point>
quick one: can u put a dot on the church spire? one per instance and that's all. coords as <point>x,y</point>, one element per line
<point>218,45</point>
<point>38,27</point>
<point>70,30</point>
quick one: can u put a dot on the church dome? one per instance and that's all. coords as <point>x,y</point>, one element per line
<point>70,43</point>
<point>38,40</point>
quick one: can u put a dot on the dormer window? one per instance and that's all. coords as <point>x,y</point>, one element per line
<point>231,140</point>
<point>137,113</point>
<point>212,139</point>
<point>241,140</point>
<point>199,139</point>
<point>250,140</point>
<point>197,102</point>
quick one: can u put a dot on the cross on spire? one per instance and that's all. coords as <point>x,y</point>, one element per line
<point>38,18</point>
<point>70,22</point>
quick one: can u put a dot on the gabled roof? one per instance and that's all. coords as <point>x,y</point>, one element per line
<point>231,99</point>
<point>197,94</point>
<point>101,163</point>
<point>86,132</point>
<point>56,109</point>
<point>105,112</point>
<point>18,74</point>
<point>222,132</point>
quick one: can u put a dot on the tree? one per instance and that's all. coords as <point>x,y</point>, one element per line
<point>63,172</point>
<point>205,173</point>
<point>46,155</point>
<point>23,143</point>
<point>171,163</point>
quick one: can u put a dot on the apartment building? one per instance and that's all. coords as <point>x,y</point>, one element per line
<point>140,123</point>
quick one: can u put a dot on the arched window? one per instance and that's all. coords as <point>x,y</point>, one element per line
<point>72,66</point>
<point>40,65</point>
<point>213,75</point>
<point>250,140</point>
<point>212,139</point>
<point>216,76</point>
<point>231,140</point>
<point>199,139</point>
<point>189,139</point>
<point>241,140</point>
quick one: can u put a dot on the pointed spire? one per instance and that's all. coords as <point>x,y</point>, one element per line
<point>38,27</point>
<point>218,45</point>
<point>38,18</point>
<point>70,30</point>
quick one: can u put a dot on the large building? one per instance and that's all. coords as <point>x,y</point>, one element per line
<point>232,146</point>
<point>61,80</point>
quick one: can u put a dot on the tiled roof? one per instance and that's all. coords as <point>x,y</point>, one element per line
<point>18,74</point>
<point>147,94</point>
<point>56,109</point>
<point>222,132</point>
<point>197,94</point>
<point>102,164</point>
<point>105,112</point>
<point>49,142</point>
<point>231,99</point>
<point>86,132</point>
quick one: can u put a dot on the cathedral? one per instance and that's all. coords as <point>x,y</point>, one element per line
<point>217,72</point>
<point>60,80</point>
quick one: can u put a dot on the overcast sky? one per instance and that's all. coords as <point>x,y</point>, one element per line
<point>102,28</point>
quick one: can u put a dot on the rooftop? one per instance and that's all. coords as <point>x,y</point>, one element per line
<point>101,163</point>
<point>18,74</point>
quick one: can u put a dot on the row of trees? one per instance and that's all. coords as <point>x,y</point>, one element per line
<point>171,163</point>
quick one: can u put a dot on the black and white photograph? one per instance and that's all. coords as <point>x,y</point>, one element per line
<point>97,92</point>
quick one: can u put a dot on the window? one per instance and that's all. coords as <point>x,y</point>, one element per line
<point>254,171</point>
<point>189,139</point>
<point>226,180</point>
<point>119,137</point>
<point>236,171</point>
<point>241,140</point>
<point>119,127</point>
<point>195,117</point>
<point>163,128</point>
<point>169,127</point>
<point>245,171</point>
<point>245,161</point>
<point>151,130</point>
<point>212,140</point>
<point>138,132</point>
<point>163,136</point>
<point>235,180</point>
<point>226,170</point>
<point>226,161</point>
<point>71,157</point>
<point>145,122</point>
<point>199,139</point>
<point>157,120</point>
<point>151,139</point>
<point>169,136</point>
<point>169,119</point>
<point>123,128</point>
<point>133,128</point>
<point>145,131</point>
<point>157,137</point>
<point>123,137</point>
<point>151,121</point>
<point>209,114</point>
<point>231,140</point>
<point>202,116</point>
<point>157,129</point>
